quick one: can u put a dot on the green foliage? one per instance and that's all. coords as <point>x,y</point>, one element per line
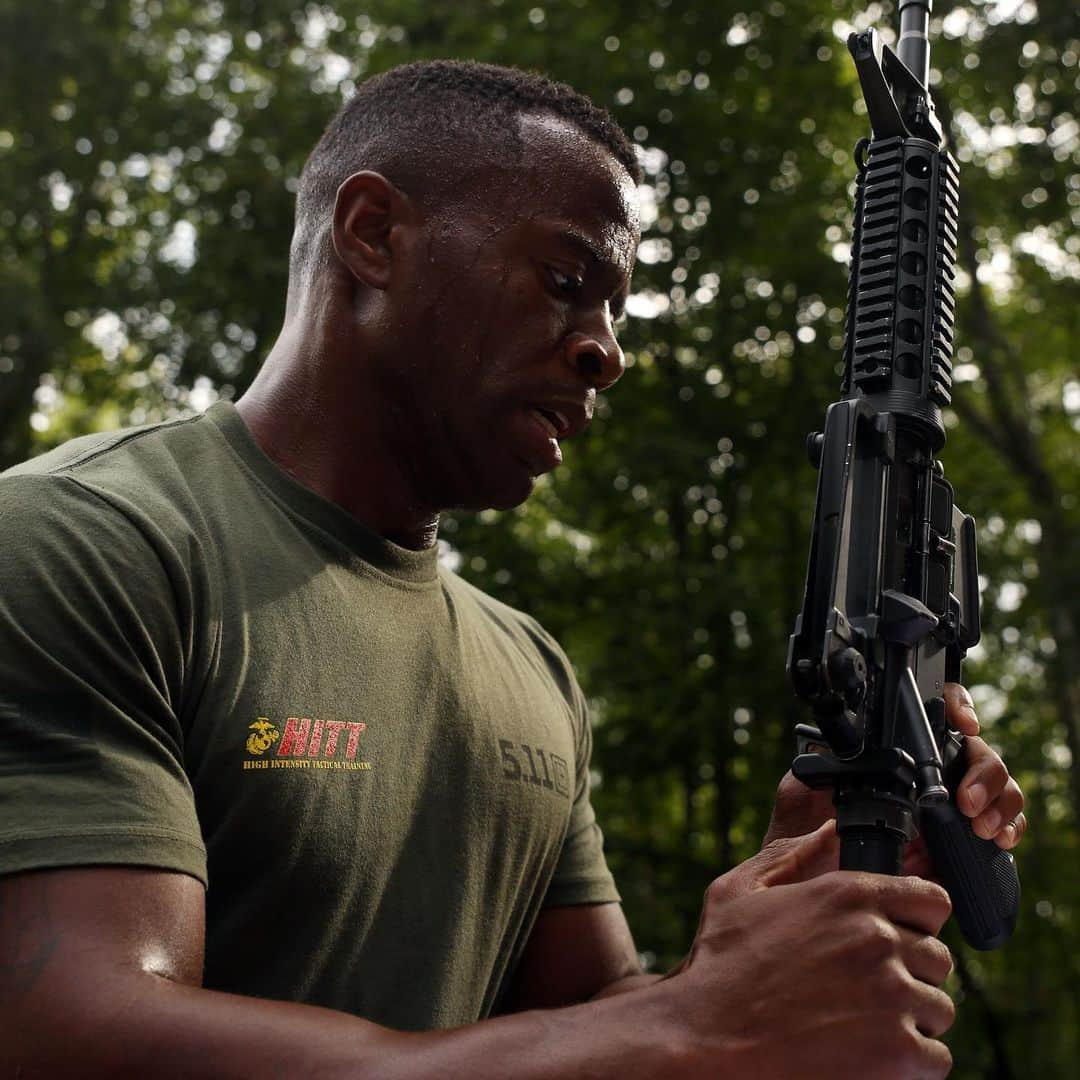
<point>148,152</point>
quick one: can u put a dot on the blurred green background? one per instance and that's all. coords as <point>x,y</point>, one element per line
<point>148,154</point>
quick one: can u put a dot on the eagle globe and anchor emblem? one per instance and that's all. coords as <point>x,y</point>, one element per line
<point>263,736</point>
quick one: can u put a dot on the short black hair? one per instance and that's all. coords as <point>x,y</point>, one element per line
<point>424,124</point>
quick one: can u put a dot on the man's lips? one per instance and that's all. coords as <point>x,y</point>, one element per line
<point>554,423</point>
<point>540,445</point>
<point>562,418</point>
<point>542,423</point>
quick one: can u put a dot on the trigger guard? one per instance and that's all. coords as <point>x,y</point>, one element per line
<point>808,739</point>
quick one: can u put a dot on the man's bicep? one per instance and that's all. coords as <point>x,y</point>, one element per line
<point>69,933</point>
<point>573,953</point>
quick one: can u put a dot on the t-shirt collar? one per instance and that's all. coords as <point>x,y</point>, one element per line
<point>399,562</point>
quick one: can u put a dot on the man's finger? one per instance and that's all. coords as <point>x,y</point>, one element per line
<point>934,1011</point>
<point>789,860</point>
<point>927,958</point>
<point>1005,835</point>
<point>1001,812</point>
<point>984,780</point>
<point>906,901</point>
<point>935,1054</point>
<point>798,810</point>
<point>960,709</point>
<point>1013,832</point>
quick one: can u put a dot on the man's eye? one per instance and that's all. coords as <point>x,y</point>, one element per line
<point>564,282</point>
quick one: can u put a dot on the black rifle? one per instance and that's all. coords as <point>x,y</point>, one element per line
<point>892,589</point>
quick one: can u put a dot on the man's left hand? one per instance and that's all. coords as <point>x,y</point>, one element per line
<point>987,794</point>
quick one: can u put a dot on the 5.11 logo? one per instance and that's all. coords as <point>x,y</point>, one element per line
<point>520,763</point>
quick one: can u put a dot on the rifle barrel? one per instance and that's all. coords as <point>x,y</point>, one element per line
<point>913,47</point>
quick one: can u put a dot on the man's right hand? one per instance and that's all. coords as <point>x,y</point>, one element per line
<point>797,971</point>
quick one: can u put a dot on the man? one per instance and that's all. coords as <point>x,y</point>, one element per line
<point>281,797</point>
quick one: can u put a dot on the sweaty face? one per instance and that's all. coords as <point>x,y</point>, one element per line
<point>510,314</point>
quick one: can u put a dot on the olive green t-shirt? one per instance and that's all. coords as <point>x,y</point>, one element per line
<point>380,772</point>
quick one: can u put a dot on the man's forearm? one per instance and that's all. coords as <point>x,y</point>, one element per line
<point>142,1025</point>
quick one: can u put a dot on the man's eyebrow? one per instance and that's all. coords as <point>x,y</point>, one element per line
<point>587,246</point>
<point>590,249</point>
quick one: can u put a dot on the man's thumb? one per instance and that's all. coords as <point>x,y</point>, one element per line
<point>797,808</point>
<point>798,858</point>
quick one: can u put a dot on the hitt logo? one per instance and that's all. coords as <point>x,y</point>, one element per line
<point>306,743</point>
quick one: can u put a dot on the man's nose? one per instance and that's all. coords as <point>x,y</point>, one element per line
<point>596,357</point>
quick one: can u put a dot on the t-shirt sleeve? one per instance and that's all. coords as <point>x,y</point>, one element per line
<point>92,663</point>
<point>581,874</point>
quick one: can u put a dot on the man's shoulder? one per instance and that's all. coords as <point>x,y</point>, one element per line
<point>102,456</point>
<point>486,606</point>
<point>152,473</point>
<point>524,629</point>
<point>139,498</point>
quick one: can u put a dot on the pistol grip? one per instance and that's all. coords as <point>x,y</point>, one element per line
<point>980,878</point>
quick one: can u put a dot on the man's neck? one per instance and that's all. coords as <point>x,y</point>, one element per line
<point>315,419</point>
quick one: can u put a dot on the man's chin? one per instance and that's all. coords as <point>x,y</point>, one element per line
<point>510,501</point>
<point>503,500</point>
<point>502,494</point>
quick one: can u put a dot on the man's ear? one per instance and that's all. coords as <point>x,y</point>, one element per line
<point>368,206</point>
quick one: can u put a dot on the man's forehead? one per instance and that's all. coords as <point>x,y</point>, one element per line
<point>580,186</point>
